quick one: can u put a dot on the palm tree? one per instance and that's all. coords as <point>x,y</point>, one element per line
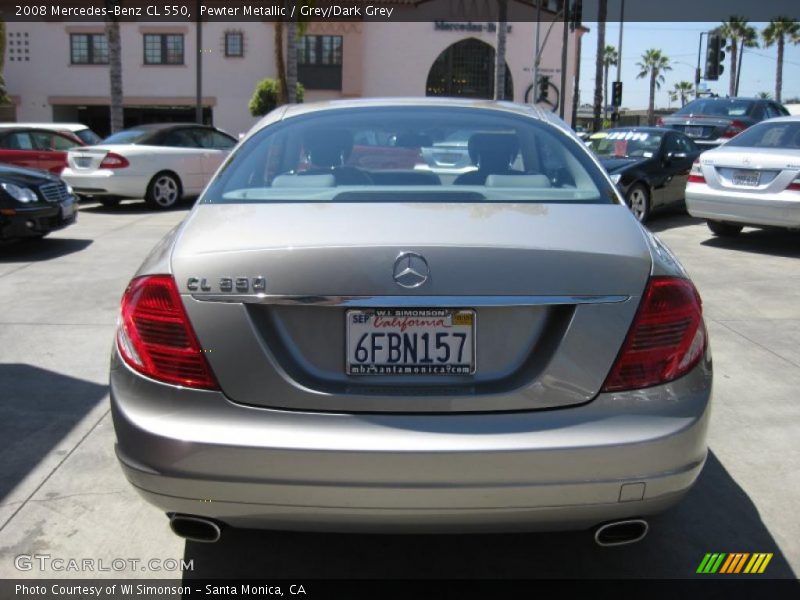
<point>602,10</point>
<point>764,95</point>
<point>654,64</point>
<point>500,54</point>
<point>780,30</point>
<point>280,63</point>
<point>735,30</point>
<point>291,61</point>
<point>682,90</point>
<point>610,59</point>
<point>116,113</point>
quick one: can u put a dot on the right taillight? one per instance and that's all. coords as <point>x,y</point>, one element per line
<point>155,337</point>
<point>696,173</point>
<point>735,128</point>
<point>114,161</point>
<point>667,338</point>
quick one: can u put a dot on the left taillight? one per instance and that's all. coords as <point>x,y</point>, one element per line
<point>155,338</point>
<point>696,173</point>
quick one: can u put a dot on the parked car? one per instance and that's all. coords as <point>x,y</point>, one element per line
<point>79,130</point>
<point>649,165</point>
<point>311,349</point>
<point>713,121</point>
<point>36,148</point>
<point>752,180</point>
<point>160,163</point>
<point>33,203</point>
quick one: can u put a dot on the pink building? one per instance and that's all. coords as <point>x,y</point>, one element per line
<point>59,71</point>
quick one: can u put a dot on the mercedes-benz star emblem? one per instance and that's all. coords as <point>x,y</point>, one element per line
<point>411,270</point>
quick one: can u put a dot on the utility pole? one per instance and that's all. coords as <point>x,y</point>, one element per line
<point>739,68</point>
<point>536,51</point>
<point>198,108</point>
<point>564,47</point>
<point>697,70</point>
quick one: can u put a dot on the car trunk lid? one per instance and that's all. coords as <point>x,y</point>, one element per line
<point>553,287</point>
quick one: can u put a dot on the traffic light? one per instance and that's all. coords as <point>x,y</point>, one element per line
<point>616,94</point>
<point>544,88</point>
<point>715,55</point>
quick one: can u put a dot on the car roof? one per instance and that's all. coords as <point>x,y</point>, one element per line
<point>294,110</point>
<point>46,126</point>
<point>165,126</point>
<point>645,129</point>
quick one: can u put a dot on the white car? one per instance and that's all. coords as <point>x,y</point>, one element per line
<point>160,163</point>
<point>753,180</point>
<point>81,131</point>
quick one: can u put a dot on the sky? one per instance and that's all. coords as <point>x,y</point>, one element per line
<point>679,42</point>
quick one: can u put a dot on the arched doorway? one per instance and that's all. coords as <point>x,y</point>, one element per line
<point>466,68</point>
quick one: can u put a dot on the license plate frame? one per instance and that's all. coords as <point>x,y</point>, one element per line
<point>746,178</point>
<point>694,131</point>
<point>411,323</point>
<point>83,162</point>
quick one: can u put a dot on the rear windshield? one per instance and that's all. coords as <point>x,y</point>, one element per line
<point>88,137</point>
<point>410,154</point>
<point>781,134</point>
<point>129,136</point>
<point>718,107</point>
<point>621,143</point>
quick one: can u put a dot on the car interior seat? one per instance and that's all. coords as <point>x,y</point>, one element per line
<point>492,153</point>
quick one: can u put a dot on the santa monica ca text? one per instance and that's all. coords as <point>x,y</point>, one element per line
<point>99,591</point>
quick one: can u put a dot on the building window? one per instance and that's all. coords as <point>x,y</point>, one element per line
<point>320,50</point>
<point>88,49</point>
<point>163,49</point>
<point>234,43</point>
<point>319,62</point>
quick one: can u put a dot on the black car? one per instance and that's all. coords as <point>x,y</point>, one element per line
<point>713,121</point>
<point>33,203</point>
<point>650,165</point>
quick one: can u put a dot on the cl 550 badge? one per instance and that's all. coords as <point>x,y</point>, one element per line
<point>228,284</point>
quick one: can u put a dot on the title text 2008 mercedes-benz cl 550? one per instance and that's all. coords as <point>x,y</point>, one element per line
<point>340,338</point>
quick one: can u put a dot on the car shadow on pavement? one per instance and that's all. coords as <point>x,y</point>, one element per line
<point>38,408</point>
<point>775,242</point>
<point>24,251</point>
<point>671,219</point>
<point>716,516</point>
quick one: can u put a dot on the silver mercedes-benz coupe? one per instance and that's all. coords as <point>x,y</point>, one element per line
<point>350,333</point>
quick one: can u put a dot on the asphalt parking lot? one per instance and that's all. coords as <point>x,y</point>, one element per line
<point>62,495</point>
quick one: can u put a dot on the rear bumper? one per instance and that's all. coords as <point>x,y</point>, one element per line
<point>621,455</point>
<point>777,210</point>
<point>36,221</point>
<point>105,182</point>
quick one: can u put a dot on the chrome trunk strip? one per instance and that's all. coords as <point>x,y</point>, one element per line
<point>407,301</point>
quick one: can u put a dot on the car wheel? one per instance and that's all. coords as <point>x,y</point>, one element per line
<point>638,200</point>
<point>110,202</point>
<point>724,229</point>
<point>164,191</point>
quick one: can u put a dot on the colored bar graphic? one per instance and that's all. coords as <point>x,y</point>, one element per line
<point>734,562</point>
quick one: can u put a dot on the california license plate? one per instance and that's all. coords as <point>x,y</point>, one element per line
<point>746,178</point>
<point>425,341</point>
<point>694,132</point>
<point>83,162</point>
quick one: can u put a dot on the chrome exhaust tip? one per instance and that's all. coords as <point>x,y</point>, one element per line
<point>195,529</point>
<point>619,533</point>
